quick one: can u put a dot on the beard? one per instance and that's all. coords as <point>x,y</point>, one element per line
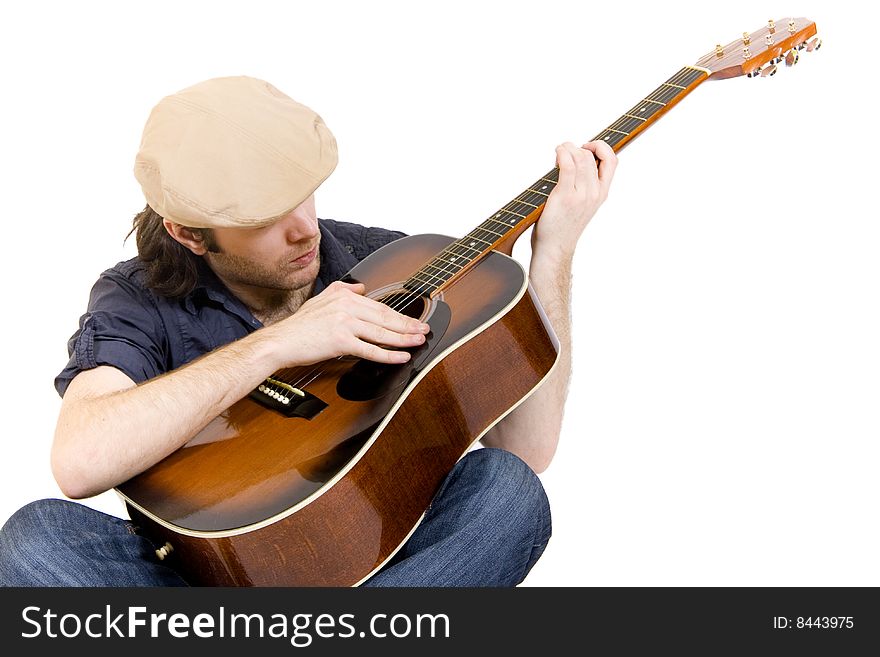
<point>281,277</point>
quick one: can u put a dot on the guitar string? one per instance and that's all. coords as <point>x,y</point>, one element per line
<point>530,194</point>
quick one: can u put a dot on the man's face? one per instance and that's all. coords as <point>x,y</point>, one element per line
<point>281,256</point>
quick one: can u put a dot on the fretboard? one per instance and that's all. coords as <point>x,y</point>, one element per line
<point>517,215</point>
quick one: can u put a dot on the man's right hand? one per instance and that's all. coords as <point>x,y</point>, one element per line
<point>341,321</point>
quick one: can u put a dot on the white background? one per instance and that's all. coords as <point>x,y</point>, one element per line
<point>723,423</point>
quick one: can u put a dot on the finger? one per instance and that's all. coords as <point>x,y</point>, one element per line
<point>576,166</point>
<point>380,335</point>
<point>372,352</point>
<point>607,159</point>
<point>586,174</point>
<point>337,286</point>
<point>382,315</point>
<point>567,167</point>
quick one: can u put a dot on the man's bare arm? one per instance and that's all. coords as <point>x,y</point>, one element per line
<point>531,431</point>
<point>110,429</point>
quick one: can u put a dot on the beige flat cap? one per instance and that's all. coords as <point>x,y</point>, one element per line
<point>231,152</point>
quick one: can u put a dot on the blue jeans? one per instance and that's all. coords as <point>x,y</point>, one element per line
<point>487,526</point>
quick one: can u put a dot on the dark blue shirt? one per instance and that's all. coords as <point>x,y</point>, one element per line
<point>133,329</point>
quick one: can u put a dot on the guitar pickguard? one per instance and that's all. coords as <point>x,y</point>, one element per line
<point>367,380</point>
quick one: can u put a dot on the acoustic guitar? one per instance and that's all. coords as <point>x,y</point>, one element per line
<point>319,475</point>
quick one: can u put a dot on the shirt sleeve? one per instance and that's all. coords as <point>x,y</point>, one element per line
<point>372,239</point>
<point>358,240</point>
<point>121,328</point>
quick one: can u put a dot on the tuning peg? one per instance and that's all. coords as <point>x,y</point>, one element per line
<point>754,74</point>
<point>814,44</point>
<point>768,71</point>
<point>792,57</point>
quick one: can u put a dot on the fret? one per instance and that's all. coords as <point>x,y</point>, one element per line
<point>415,277</point>
<point>627,124</point>
<point>443,256</point>
<point>689,74</point>
<point>644,111</point>
<point>436,277</point>
<point>452,261</point>
<point>464,246</point>
<point>611,139</point>
<point>674,85</point>
<point>440,261</point>
<point>446,259</point>
<point>539,192</point>
<point>443,269</point>
<point>491,231</point>
<point>532,200</point>
<point>418,277</point>
<point>471,235</point>
<point>448,254</point>
<point>544,189</point>
<point>520,208</point>
<point>698,69</point>
<point>506,211</point>
<point>655,101</point>
<point>620,132</point>
<point>459,250</point>
<point>470,245</point>
<point>488,239</point>
<point>498,221</point>
<point>664,94</point>
<point>435,283</point>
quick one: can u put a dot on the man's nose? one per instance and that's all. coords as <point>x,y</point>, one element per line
<point>299,226</point>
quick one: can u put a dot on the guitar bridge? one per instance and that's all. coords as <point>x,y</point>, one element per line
<point>286,399</point>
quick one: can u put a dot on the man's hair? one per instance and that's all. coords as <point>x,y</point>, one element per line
<point>172,269</point>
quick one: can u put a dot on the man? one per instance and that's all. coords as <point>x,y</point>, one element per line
<point>237,278</point>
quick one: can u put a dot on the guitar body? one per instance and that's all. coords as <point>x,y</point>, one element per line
<point>265,497</point>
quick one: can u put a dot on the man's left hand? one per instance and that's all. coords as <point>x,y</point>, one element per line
<point>585,176</point>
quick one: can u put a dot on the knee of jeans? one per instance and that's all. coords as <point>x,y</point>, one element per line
<point>34,523</point>
<point>508,480</point>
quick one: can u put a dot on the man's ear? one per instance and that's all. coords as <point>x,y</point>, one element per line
<point>191,238</point>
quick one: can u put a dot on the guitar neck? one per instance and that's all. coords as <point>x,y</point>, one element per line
<point>499,231</point>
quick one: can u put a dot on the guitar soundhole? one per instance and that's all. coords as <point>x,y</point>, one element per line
<point>367,380</point>
<point>406,303</point>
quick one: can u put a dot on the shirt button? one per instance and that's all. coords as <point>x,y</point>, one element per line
<point>349,248</point>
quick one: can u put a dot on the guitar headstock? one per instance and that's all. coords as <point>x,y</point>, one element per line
<point>758,53</point>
